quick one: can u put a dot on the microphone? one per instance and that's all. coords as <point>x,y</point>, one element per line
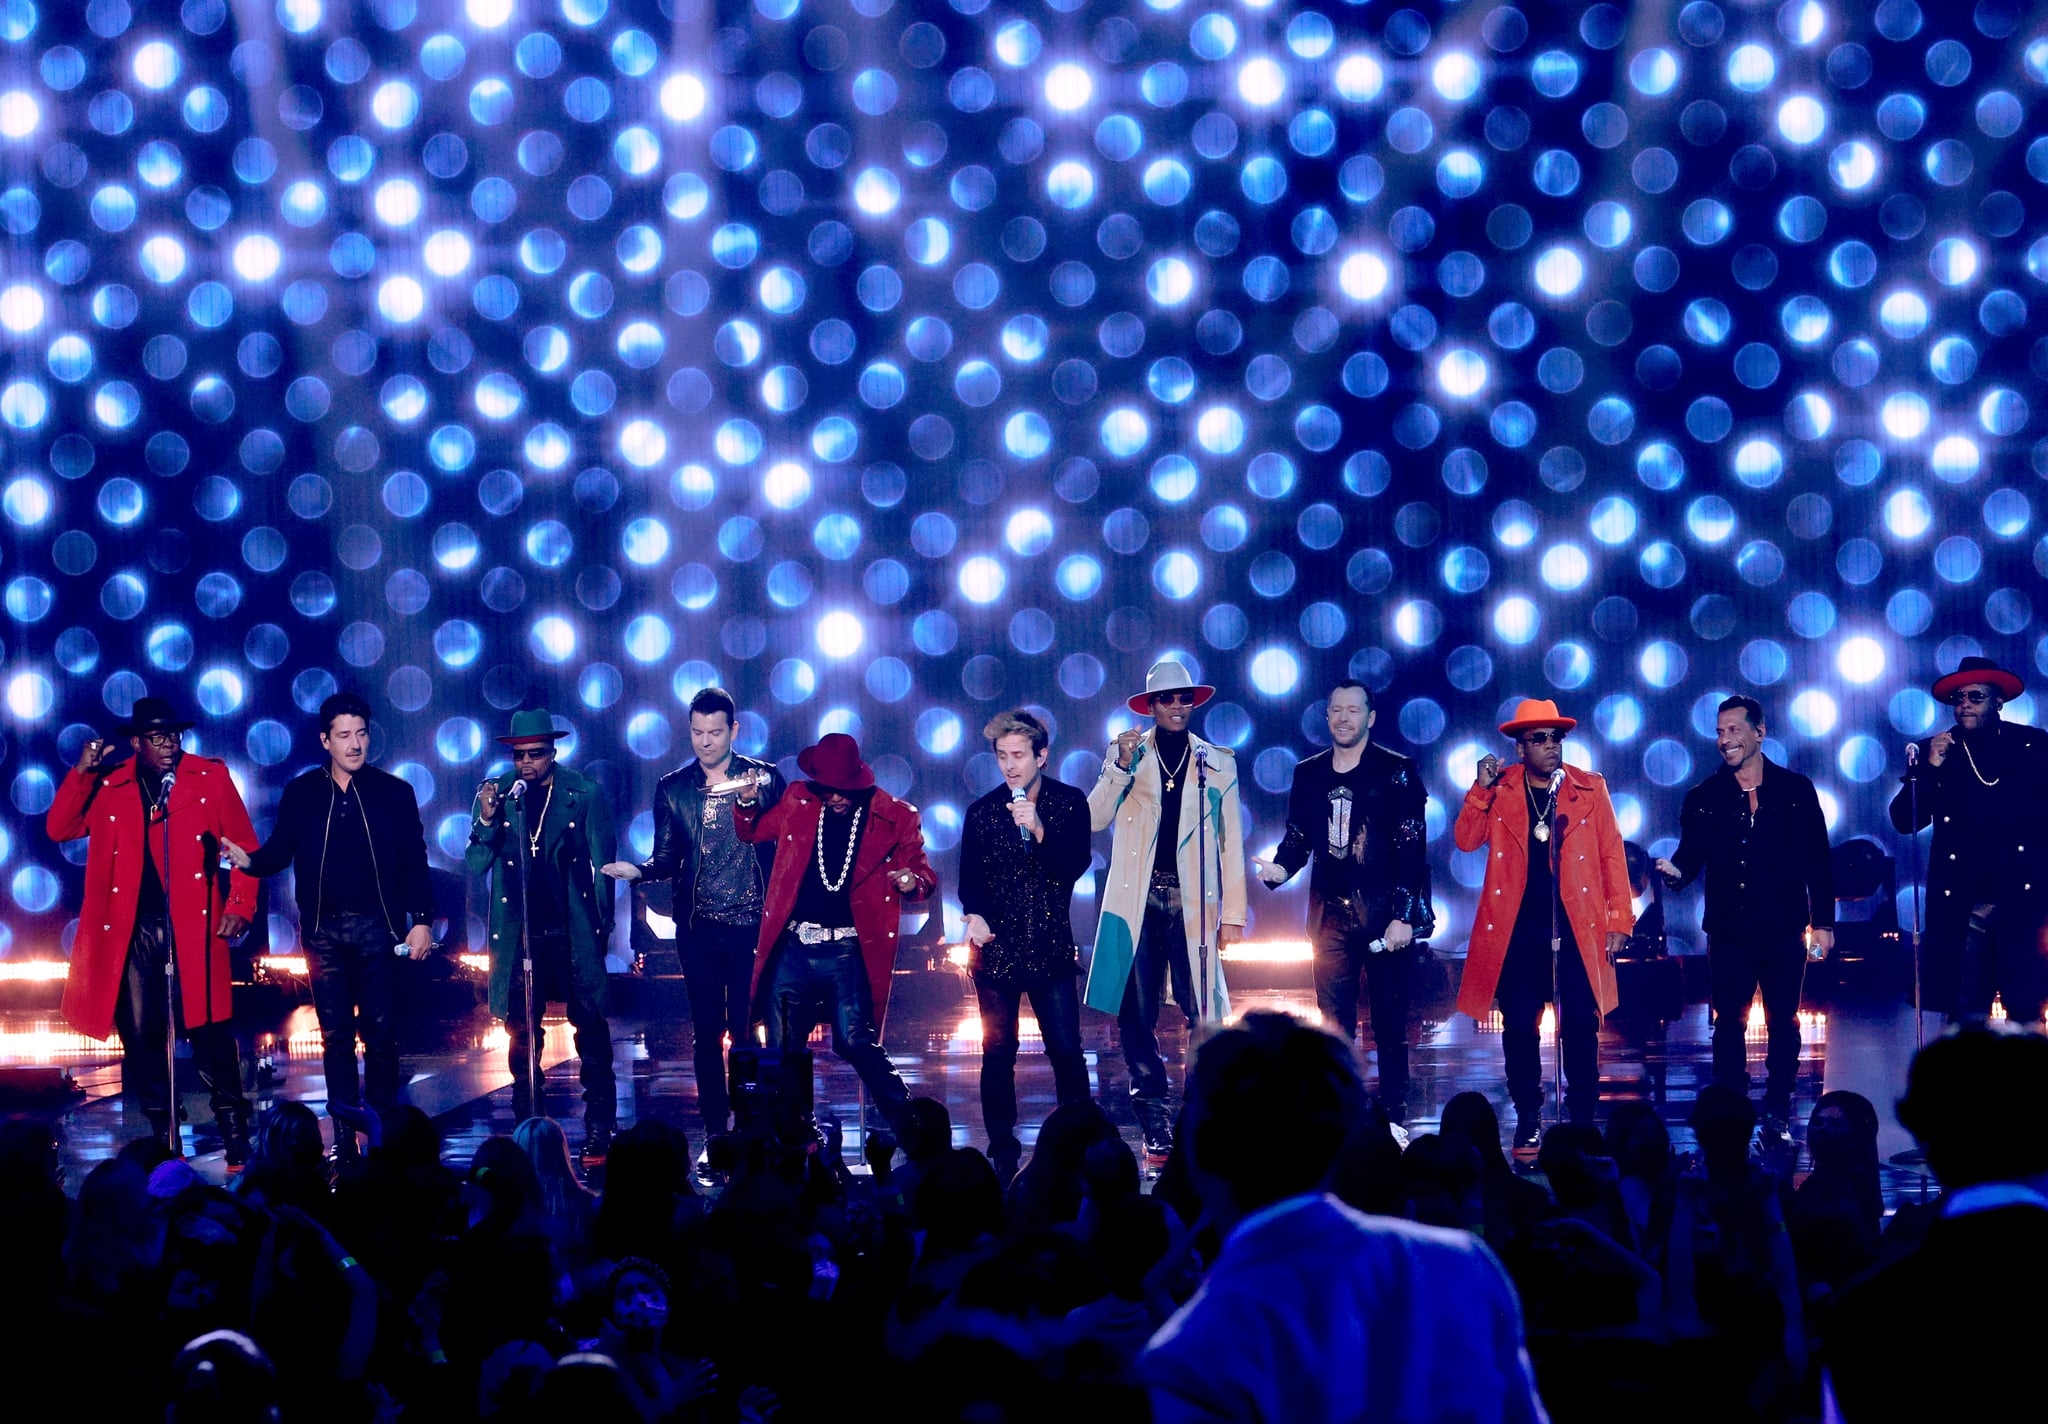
<point>1016,795</point>
<point>1912,754</point>
<point>1557,779</point>
<point>163,795</point>
<point>518,790</point>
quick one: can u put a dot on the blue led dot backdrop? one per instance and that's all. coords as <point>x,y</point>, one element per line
<point>891,362</point>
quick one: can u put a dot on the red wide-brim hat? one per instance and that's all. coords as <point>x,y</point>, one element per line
<point>1982,670</point>
<point>835,763</point>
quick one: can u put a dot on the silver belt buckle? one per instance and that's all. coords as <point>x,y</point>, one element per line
<point>808,933</point>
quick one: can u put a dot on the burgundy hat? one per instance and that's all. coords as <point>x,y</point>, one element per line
<point>1982,670</point>
<point>835,764</point>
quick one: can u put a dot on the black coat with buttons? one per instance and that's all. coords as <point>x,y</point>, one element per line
<point>1982,802</point>
<point>1769,873</point>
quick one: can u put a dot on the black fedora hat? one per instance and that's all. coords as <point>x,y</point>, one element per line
<point>152,714</point>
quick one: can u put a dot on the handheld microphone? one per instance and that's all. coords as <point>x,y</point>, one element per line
<point>1016,795</point>
<point>721,788</point>
<point>517,791</point>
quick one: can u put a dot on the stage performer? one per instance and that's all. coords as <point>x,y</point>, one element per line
<point>358,854</point>
<point>849,856</point>
<point>563,830</point>
<point>1153,909</point>
<point>1980,783</point>
<point>721,887</point>
<point>1358,809</point>
<point>1023,846</point>
<point>136,907</point>
<point>1757,831</point>
<point>1552,849</point>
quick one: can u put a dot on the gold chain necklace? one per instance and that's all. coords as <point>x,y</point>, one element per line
<point>1972,760</point>
<point>540,823</point>
<point>846,866</point>
<point>1173,776</point>
<point>1539,817</point>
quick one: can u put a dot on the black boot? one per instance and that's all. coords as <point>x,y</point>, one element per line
<point>1156,1120</point>
<point>234,1132</point>
<point>597,1143</point>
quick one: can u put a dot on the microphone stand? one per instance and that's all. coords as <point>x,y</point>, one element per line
<point>1550,852</point>
<point>1917,872</point>
<point>1202,883</point>
<point>519,855</point>
<point>173,1141</point>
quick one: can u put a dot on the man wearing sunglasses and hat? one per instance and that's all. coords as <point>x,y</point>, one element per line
<point>1553,858</point>
<point>848,858</point>
<point>1169,847</point>
<point>1981,784</point>
<point>136,907</point>
<point>563,829</point>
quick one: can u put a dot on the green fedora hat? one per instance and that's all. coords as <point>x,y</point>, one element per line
<point>537,725</point>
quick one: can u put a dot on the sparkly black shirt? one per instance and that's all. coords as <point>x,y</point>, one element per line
<point>1024,889</point>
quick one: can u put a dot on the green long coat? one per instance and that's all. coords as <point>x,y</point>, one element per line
<point>577,836</point>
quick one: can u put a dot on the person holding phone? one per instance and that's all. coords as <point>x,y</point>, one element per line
<point>1756,831</point>
<point>1980,783</point>
<point>137,907</point>
<point>1358,809</point>
<point>1553,859</point>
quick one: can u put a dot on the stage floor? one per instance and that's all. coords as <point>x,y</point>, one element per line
<point>458,1072</point>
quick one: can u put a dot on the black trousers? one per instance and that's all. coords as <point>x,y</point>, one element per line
<point>354,972</point>
<point>554,981</point>
<point>2001,957</point>
<point>1739,967</point>
<point>1341,959</point>
<point>1162,952</point>
<point>828,983</point>
<point>1056,1002</point>
<point>1524,990</point>
<point>141,1016</point>
<point>718,967</point>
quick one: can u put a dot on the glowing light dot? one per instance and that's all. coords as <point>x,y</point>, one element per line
<point>488,14</point>
<point>1462,373</point>
<point>1261,82</point>
<point>1456,76</point>
<point>21,308</point>
<point>683,97</point>
<point>1802,119</point>
<point>840,635</point>
<point>1068,87</point>
<point>19,114</point>
<point>1559,271</point>
<point>257,257</point>
<point>1363,276</point>
<point>1860,659</point>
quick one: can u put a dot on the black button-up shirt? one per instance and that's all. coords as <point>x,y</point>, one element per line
<point>1768,867</point>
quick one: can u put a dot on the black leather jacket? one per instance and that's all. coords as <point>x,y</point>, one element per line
<point>678,815</point>
<point>397,845</point>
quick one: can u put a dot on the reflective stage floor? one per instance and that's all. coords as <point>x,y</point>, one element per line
<point>458,1073</point>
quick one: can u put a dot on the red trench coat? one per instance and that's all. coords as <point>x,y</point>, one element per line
<point>1592,875</point>
<point>892,840</point>
<point>204,808</point>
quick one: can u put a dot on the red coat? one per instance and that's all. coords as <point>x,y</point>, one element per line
<point>1592,876</point>
<point>892,840</point>
<point>205,807</point>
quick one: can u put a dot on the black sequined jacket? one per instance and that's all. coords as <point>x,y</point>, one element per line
<point>1024,889</point>
<point>1387,867</point>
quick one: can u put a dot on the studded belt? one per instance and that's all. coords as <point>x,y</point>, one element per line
<point>808,933</point>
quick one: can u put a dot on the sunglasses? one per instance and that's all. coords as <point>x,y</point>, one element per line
<point>533,754</point>
<point>1974,696</point>
<point>1173,699</point>
<point>1540,739</point>
<point>160,739</point>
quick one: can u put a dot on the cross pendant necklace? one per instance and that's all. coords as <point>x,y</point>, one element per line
<point>1172,776</point>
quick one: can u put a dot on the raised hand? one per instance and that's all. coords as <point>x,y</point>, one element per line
<point>1489,770</point>
<point>1025,814</point>
<point>487,801</point>
<point>1937,749</point>
<point>1127,748</point>
<point>90,756</point>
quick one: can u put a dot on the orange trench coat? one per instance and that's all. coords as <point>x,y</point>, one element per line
<point>1592,876</point>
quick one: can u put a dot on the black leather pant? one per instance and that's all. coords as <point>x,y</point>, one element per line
<point>354,971</point>
<point>1524,989</point>
<point>718,967</point>
<point>828,983</point>
<point>1162,955</point>
<point>140,1018</point>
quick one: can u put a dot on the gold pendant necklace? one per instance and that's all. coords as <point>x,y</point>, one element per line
<point>1539,817</point>
<point>540,823</point>
<point>1172,777</point>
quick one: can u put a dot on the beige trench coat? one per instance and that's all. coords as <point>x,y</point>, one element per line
<point>1130,801</point>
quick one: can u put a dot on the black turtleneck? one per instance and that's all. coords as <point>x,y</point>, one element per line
<point>1176,765</point>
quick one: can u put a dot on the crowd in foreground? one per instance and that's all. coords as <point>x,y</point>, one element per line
<point>1292,1263</point>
